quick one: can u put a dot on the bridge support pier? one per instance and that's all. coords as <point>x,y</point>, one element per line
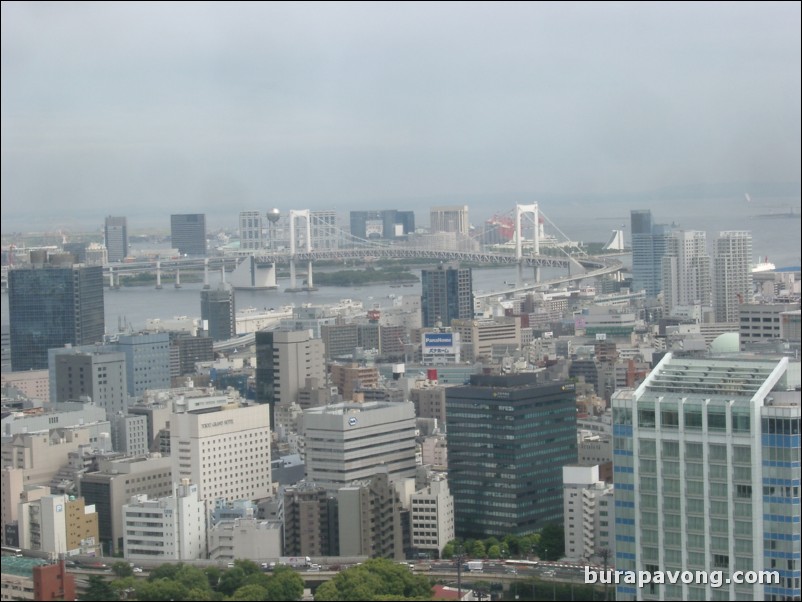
<point>178,278</point>
<point>206,273</point>
<point>158,275</point>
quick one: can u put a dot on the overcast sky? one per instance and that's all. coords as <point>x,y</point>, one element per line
<point>145,109</point>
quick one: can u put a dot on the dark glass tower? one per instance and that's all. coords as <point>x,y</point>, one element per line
<point>188,233</point>
<point>116,236</point>
<point>446,294</point>
<point>50,306</point>
<point>649,244</point>
<point>218,312</point>
<point>508,439</point>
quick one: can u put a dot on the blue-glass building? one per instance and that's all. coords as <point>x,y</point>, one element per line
<point>50,306</point>
<point>706,456</point>
<point>446,294</point>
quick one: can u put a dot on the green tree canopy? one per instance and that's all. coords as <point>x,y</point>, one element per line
<point>376,579</point>
<point>122,569</point>
<point>255,593</point>
<point>284,584</point>
<point>552,542</point>
<point>99,589</point>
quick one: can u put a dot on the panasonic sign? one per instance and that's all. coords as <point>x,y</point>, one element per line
<point>438,339</point>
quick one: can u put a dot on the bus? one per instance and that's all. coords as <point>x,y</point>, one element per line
<point>10,551</point>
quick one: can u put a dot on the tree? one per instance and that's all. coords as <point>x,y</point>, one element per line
<point>192,577</point>
<point>162,590</point>
<point>99,589</point>
<point>552,542</point>
<point>167,570</point>
<point>122,569</point>
<point>494,551</point>
<point>256,593</point>
<point>231,581</point>
<point>377,579</point>
<point>249,567</point>
<point>284,584</point>
<point>478,549</point>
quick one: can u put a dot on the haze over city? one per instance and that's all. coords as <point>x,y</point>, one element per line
<point>148,109</point>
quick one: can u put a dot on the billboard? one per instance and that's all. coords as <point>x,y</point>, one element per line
<point>439,343</point>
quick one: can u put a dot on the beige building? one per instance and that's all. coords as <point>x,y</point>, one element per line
<point>115,483</point>
<point>589,512</point>
<point>349,377</point>
<point>245,538</point>
<point>430,401</point>
<point>34,384</point>
<point>41,454</point>
<point>369,514</point>
<point>479,337</point>
<point>225,450</point>
<point>58,524</point>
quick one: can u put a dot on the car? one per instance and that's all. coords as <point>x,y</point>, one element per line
<point>137,569</point>
<point>313,568</point>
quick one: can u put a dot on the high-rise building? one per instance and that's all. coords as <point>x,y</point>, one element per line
<point>387,224</point>
<point>218,312</point>
<point>325,233</point>
<point>310,521</point>
<point>732,273</point>
<point>188,233</point>
<point>353,441</point>
<point>432,517</point>
<point>589,512</point>
<point>50,306</point>
<point>369,516</point>
<point>707,468</point>
<point>284,360</point>
<point>224,449</point>
<point>116,237</point>
<point>508,439</point>
<point>686,271</point>
<point>648,247</point>
<point>251,231</point>
<point>450,218</point>
<point>446,294</point>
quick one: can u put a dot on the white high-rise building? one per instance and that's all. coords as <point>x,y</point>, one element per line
<point>251,230</point>
<point>346,442</point>
<point>166,528</point>
<point>686,271</point>
<point>732,274</point>
<point>589,512</point>
<point>450,218</point>
<point>225,450</point>
<point>432,516</point>
<point>707,472</point>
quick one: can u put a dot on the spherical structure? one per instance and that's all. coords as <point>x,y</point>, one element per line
<point>273,215</point>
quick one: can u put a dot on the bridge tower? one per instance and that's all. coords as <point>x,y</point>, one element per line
<point>158,275</point>
<point>306,215</point>
<point>519,211</point>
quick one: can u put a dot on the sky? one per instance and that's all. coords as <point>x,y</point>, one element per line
<point>146,109</point>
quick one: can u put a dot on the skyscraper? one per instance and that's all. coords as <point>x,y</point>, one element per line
<point>52,305</point>
<point>648,246</point>
<point>732,273</point>
<point>218,312</point>
<point>251,230</point>
<point>508,439</point>
<point>116,237</point>
<point>451,218</point>
<point>686,270</point>
<point>284,360</point>
<point>188,233</point>
<point>706,464</point>
<point>446,294</point>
